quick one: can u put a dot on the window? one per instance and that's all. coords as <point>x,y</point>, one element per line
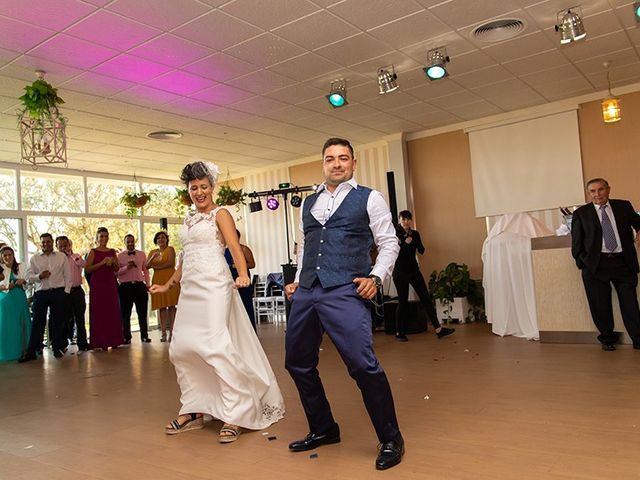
<point>164,202</point>
<point>104,195</point>
<point>8,189</point>
<point>11,233</point>
<point>45,192</point>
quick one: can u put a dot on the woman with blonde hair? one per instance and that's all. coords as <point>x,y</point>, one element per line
<point>221,368</point>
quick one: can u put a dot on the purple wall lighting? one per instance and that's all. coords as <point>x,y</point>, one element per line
<point>272,203</point>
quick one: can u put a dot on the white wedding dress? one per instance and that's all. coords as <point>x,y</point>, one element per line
<point>221,367</point>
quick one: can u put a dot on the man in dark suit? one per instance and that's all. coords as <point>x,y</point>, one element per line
<point>604,250</point>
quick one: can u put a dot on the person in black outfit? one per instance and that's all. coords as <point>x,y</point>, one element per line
<point>603,247</point>
<point>407,272</point>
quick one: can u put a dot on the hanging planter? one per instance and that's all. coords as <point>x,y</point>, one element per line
<point>42,127</point>
<point>134,201</point>
<point>182,195</point>
<point>227,195</point>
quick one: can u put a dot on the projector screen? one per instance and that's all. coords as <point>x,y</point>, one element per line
<point>526,166</point>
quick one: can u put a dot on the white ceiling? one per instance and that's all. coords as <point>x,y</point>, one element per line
<point>245,80</point>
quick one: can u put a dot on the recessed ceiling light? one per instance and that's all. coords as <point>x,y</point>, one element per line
<point>165,135</point>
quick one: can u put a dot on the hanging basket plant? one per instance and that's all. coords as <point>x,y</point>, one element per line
<point>182,195</point>
<point>227,195</point>
<point>41,100</point>
<point>134,201</point>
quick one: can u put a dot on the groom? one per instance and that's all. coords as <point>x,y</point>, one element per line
<point>334,280</point>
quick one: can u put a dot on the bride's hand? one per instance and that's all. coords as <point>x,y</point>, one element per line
<point>242,281</point>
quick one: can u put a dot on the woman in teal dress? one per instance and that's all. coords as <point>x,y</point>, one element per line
<point>15,321</point>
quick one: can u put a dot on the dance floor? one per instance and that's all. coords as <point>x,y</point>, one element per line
<point>471,406</point>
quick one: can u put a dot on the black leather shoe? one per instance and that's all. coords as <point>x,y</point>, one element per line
<point>146,340</point>
<point>84,348</point>
<point>390,453</point>
<point>27,357</point>
<point>127,342</point>
<point>444,331</point>
<point>58,353</point>
<point>607,347</point>
<point>636,346</point>
<point>401,338</point>
<point>312,441</point>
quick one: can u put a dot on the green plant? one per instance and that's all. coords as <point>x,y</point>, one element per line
<point>182,195</point>
<point>41,99</point>
<point>455,281</point>
<point>133,201</point>
<point>228,195</point>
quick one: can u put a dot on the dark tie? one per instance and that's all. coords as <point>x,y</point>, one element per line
<point>607,230</point>
<point>131,253</point>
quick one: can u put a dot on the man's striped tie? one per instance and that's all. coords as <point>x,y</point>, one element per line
<point>607,231</point>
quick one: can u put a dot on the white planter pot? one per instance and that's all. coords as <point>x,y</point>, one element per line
<point>459,310</point>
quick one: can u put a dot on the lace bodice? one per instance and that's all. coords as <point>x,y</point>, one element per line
<point>203,243</point>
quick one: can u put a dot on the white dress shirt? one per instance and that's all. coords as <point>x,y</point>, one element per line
<point>612,218</point>
<point>54,262</point>
<point>384,233</point>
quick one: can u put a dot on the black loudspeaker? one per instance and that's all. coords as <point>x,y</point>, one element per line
<point>415,322</point>
<point>393,203</point>
<point>164,225</point>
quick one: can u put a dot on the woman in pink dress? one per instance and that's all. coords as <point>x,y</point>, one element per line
<point>105,323</point>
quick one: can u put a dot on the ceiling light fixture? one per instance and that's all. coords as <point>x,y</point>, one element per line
<point>338,94</point>
<point>255,205</point>
<point>611,107</point>
<point>636,11</point>
<point>165,135</point>
<point>272,203</point>
<point>437,60</point>
<point>570,25</point>
<point>387,80</point>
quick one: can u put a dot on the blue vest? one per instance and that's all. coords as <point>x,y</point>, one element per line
<point>338,251</point>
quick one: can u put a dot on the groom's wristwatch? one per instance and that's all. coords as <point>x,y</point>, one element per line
<point>377,280</point>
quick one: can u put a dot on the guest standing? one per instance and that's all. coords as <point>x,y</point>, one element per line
<point>76,304</point>
<point>15,321</point>
<point>246,293</point>
<point>407,272</point>
<point>105,324</point>
<point>49,271</point>
<point>163,262</point>
<point>133,278</point>
<point>603,246</point>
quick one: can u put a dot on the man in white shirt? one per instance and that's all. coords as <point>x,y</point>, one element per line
<point>49,271</point>
<point>340,223</point>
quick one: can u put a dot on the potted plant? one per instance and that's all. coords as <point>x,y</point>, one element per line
<point>228,195</point>
<point>182,195</point>
<point>451,288</point>
<point>133,201</point>
<point>41,100</point>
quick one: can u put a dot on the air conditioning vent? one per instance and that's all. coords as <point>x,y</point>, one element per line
<point>498,30</point>
<point>165,135</point>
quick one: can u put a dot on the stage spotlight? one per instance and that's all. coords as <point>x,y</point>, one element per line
<point>296,201</point>
<point>272,203</point>
<point>255,205</point>
<point>437,60</point>
<point>570,25</point>
<point>387,80</point>
<point>338,94</point>
<point>636,11</point>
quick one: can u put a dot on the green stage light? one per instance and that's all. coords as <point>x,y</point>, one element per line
<point>338,95</point>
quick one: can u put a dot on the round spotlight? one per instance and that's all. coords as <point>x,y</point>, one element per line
<point>336,99</point>
<point>338,93</point>
<point>272,203</point>
<point>436,64</point>
<point>436,72</point>
<point>296,201</point>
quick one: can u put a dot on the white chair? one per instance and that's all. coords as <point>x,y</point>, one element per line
<point>264,307</point>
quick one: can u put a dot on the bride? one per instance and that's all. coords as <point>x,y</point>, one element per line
<point>221,368</point>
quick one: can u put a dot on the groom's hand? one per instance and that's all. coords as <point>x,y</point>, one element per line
<point>289,289</point>
<point>367,287</point>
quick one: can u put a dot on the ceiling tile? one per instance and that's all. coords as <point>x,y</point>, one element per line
<point>519,47</point>
<point>146,96</point>
<point>108,29</point>
<point>616,60</point>
<point>462,13</point>
<point>220,67</point>
<point>171,50</point>
<point>258,105</point>
<point>296,93</point>
<point>222,95</point>
<point>262,81</point>
<point>551,75</point>
<point>228,30</point>
<point>133,69</point>
<point>455,100</point>
<point>492,74</point>
<point>354,50</point>
<point>416,28</point>
<point>474,110</point>
<point>316,30</point>
<point>20,36</point>
<point>85,55</point>
<point>24,67</point>
<point>264,50</point>
<point>162,14</point>
<point>97,84</point>
<point>46,13</point>
<point>279,12</point>
<point>564,88</point>
<point>181,83</point>
<point>304,67</point>
<point>541,61</point>
<point>584,50</point>
<point>367,14</point>
<point>289,114</point>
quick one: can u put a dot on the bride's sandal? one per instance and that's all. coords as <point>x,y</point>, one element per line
<point>229,433</point>
<point>194,421</point>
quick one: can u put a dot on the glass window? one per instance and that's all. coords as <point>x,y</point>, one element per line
<point>45,192</point>
<point>10,233</point>
<point>8,189</point>
<point>104,195</point>
<point>163,203</point>
<point>81,231</point>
